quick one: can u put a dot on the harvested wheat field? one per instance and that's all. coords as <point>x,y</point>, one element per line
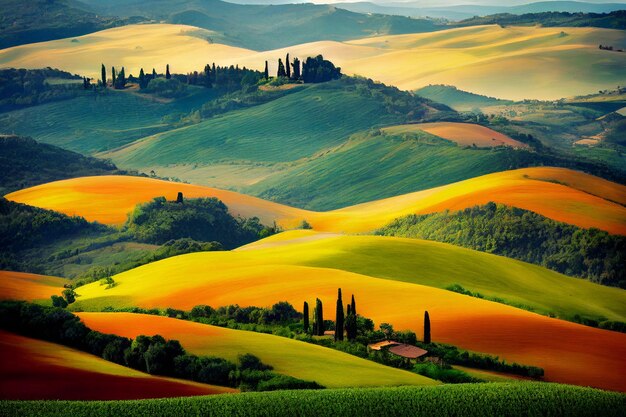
<point>464,134</point>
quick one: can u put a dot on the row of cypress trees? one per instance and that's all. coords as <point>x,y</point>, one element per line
<point>118,80</point>
<point>347,321</point>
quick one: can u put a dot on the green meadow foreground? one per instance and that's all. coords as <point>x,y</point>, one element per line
<point>468,400</point>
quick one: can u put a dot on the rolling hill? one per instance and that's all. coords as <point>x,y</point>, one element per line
<point>29,287</point>
<point>19,154</point>
<point>486,60</point>
<point>34,370</point>
<point>265,273</point>
<point>327,367</point>
<point>457,99</point>
<point>560,194</point>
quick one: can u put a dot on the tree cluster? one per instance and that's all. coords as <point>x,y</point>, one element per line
<point>202,219</point>
<point>152,354</point>
<point>312,70</point>
<point>524,235</point>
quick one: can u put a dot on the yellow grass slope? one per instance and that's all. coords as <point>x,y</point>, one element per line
<point>184,48</point>
<point>489,60</point>
<point>267,275</point>
<point>29,287</point>
<point>560,194</point>
<point>109,199</point>
<point>464,134</point>
<point>328,367</point>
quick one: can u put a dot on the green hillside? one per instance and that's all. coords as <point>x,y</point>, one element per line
<point>98,121</point>
<point>458,99</point>
<point>471,400</point>
<point>19,155</point>
<point>291,127</point>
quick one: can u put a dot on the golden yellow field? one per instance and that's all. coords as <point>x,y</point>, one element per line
<point>29,287</point>
<point>34,369</point>
<point>560,194</point>
<point>465,134</point>
<point>328,367</point>
<point>184,48</point>
<point>489,60</point>
<point>263,275</point>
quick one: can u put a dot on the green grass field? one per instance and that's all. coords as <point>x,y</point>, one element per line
<point>97,122</point>
<point>306,120</point>
<point>482,400</point>
<point>371,166</point>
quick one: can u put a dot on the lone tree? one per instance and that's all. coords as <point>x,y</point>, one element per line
<point>69,295</point>
<point>318,324</point>
<point>167,72</point>
<point>426,327</point>
<point>179,197</point>
<point>288,67</point>
<point>339,318</point>
<point>305,314</point>
<point>266,72</point>
<point>113,76</point>
<point>281,68</point>
<point>296,69</point>
<point>103,70</point>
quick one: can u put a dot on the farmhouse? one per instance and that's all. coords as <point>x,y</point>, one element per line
<point>399,349</point>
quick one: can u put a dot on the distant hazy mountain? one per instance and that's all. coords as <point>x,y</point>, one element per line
<point>263,27</point>
<point>415,9</point>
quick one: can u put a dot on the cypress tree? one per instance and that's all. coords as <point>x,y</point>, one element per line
<point>351,324</point>
<point>142,79</point>
<point>167,72</point>
<point>288,68</point>
<point>104,76</point>
<point>353,305</point>
<point>281,68</point>
<point>305,313</point>
<point>296,69</point>
<point>113,76</point>
<point>339,318</point>
<point>154,74</point>
<point>426,327</point>
<point>179,197</point>
<point>319,318</point>
<point>267,72</point>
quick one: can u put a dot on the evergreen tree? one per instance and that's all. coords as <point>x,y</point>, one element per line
<point>351,324</point>
<point>179,197</point>
<point>207,76</point>
<point>86,83</point>
<point>339,318</point>
<point>104,76</point>
<point>288,67</point>
<point>154,74</point>
<point>167,72</point>
<point>267,72</point>
<point>142,79</point>
<point>296,69</point>
<point>281,68</point>
<point>318,326</point>
<point>120,80</point>
<point>353,305</point>
<point>426,327</point>
<point>113,76</point>
<point>305,313</point>
<point>319,70</point>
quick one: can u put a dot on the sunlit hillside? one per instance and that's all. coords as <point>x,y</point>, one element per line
<point>560,194</point>
<point>34,370</point>
<point>298,359</point>
<point>263,275</point>
<point>483,59</point>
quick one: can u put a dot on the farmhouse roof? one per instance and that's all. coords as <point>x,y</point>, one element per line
<point>407,351</point>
